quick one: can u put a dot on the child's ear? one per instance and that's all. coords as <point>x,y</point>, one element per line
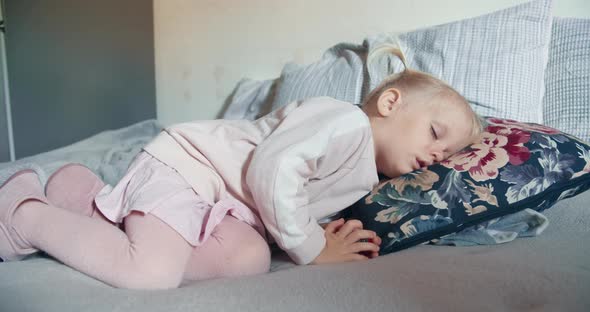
<point>389,100</point>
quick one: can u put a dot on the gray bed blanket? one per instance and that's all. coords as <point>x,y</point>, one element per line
<point>546,273</point>
<point>107,153</point>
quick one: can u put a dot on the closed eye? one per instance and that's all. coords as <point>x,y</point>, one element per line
<point>434,135</point>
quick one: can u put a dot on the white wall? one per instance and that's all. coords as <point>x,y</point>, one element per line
<point>204,47</point>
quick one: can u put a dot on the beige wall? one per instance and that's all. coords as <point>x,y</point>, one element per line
<point>203,47</point>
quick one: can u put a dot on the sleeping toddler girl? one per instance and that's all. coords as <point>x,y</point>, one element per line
<point>204,199</point>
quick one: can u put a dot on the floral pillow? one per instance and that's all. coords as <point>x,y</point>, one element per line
<point>515,166</point>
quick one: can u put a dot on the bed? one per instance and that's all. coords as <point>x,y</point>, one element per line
<point>546,273</point>
<point>550,272</point>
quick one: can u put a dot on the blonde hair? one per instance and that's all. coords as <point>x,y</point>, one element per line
<point>416,82</point>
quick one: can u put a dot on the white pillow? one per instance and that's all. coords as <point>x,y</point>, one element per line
<point>337,74</point>
<point>497,61</point>
<point>250,99</point>
<point>567,78</point>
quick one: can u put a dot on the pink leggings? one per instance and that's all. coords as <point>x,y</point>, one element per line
<point>148,254</point>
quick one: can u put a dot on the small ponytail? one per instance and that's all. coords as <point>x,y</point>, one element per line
<point>384,49</point>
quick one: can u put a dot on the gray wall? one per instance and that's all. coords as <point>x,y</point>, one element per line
<point>77,68</point>
<point>4,146</point>
<point>4,143</point>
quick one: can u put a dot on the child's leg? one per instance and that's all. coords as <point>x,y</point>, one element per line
<point>74,187</point>
<point>233,249</point>
<point>150,254</point>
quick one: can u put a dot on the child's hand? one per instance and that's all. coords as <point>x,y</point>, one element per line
<point>343,243</point>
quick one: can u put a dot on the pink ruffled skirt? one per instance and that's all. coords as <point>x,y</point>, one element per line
<point>150,186</point>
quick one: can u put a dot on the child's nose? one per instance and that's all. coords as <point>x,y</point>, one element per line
<point>437,152</point>
<point>437,156</point>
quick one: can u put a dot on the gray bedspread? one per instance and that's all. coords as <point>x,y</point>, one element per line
<point>107,153</point>
<point>550,272</point>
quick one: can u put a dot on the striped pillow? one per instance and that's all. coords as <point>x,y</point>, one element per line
<point>497,61</point>
<point>567,96</point>
<point>338,75</point>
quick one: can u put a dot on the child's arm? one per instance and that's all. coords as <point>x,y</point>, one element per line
<point>283,164</point>
<point>276,178</point>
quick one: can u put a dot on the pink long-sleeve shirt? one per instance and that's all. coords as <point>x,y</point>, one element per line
<point>292,167</point>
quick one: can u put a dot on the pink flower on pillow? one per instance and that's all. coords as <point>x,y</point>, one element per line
<point>508,123</point>
<point>515,148</point>
<point>499,145</point>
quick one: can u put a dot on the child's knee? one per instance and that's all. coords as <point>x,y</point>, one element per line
<point>239,249</point>
<point>246,252</point>
<point>233,249</point>
<point>151,277</point>
<point>150,270</point>
<point>254,257</point>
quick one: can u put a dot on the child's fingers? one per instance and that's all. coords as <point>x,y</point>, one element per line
<point>349,227</point>
<point>374,254</point>
<point>333,226</point>
<point>364,246</point>
<point>377,240</point>
<point>357,235</point>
